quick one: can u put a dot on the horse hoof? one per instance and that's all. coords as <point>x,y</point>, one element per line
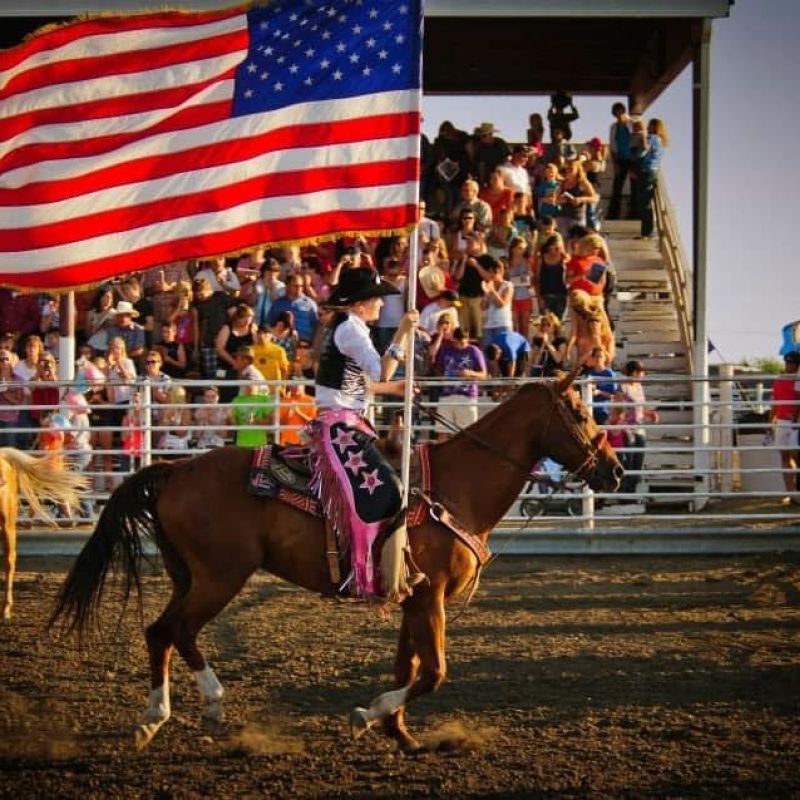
<point>145,733</point>
<point>212,712</point>
<point>359,722</point>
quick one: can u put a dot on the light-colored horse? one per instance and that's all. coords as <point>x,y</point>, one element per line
<point>38,479</point>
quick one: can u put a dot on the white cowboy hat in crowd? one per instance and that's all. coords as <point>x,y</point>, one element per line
<point>125,307</point>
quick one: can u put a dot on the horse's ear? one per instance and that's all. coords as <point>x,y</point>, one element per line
<point>567,380</point>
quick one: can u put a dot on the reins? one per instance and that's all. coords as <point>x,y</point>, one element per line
<point>454,427</point>
<point>580,472</point>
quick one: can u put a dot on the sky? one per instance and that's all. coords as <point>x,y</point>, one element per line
<point>753,286</point>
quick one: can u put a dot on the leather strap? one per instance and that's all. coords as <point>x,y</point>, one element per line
<point>441,514</point>
<point>332,554</point>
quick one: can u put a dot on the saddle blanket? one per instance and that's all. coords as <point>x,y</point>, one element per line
<point>268,478</point>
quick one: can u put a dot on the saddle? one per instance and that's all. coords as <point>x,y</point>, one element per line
<point>284,473</point>
<point>274,467</point>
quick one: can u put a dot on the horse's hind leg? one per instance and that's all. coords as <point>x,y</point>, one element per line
<point>202,603</point>
<point>159,647</point>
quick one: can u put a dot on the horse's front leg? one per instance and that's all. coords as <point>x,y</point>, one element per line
<point>406,666</point>
<point>420,651</point>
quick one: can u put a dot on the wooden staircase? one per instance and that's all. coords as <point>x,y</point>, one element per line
<point>651,323</point>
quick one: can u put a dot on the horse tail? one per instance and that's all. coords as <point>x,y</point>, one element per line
<point>116,544</point>
<point>42,479</point>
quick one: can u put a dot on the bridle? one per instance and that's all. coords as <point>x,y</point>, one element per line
<point>592,446</point>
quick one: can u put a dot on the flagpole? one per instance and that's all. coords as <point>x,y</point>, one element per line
<point>411,342</point>
<point>410,346</point>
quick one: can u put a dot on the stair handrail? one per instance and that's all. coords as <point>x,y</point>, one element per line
<point>677,265</point>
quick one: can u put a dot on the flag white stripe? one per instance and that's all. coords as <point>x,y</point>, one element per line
<point>108,43</point>
<point>82,130</point>
<point>205,180</point>
<point>247,213</point>
<point>226,131</point>
<point>84,91</point>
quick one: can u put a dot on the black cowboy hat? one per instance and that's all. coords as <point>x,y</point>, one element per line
<point>359,284</point>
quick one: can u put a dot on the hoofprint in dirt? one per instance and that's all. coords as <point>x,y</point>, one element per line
<point>635,677</point>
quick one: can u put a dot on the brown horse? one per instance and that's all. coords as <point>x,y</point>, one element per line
<point>36,479</point>
<point>213,535</point>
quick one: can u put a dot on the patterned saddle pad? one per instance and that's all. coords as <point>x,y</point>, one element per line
<point>283,473</point>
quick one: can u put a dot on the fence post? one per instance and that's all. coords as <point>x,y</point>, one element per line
<point>147,423</point>
<point>725,438</point>
<point>587,499</point>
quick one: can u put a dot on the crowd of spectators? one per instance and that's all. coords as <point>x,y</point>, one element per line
<point>514,280</point>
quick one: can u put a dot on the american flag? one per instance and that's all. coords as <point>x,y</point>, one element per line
<point>129,142</point>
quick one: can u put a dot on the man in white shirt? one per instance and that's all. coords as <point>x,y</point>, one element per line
<point>221,277</point>
<point>515,174</point>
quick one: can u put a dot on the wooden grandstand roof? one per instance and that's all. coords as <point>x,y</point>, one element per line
<point>624,48</point>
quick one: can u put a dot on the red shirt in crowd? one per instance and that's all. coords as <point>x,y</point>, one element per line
<point>785,391</point>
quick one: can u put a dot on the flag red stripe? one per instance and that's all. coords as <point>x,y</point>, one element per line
<point>183,119</point>
<point>107,107</point>
<point>126,63</point>
<point>50,40</point>
<point>199,246</point>
<point>297,182</point>
<point>316,134</point>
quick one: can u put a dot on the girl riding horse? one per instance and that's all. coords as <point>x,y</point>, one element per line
<point>359,491</point>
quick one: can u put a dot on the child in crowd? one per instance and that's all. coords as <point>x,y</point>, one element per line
<point>500,234</point>
<point>547,192</point>
<point>297,409</point>
<point>172,352</point>
<point>253,412</point>
<point>604,388</point>
<point>78,438</point>
<point>269,358</point>
<point>524,222</point>
<point>177,418</point>
<point>616,428</point>
<point>52,440</point>
<point>133,433</point>
<point>211,420</point>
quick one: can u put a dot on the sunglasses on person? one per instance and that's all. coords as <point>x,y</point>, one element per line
<point>152,361</point>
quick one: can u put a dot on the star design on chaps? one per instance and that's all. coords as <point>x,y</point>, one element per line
<point>344,439</point>
<point>355,461</point>
<point>371,481</point>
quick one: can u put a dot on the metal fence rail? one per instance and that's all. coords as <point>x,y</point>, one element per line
<point>739,490</point>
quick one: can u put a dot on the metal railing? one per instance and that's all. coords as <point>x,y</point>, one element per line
<point>676,264</point>
<point>741,487</point>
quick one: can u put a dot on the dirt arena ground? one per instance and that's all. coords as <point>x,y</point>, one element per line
<point>605,677</point>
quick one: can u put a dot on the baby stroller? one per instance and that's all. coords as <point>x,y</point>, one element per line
<point>544,485</point>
